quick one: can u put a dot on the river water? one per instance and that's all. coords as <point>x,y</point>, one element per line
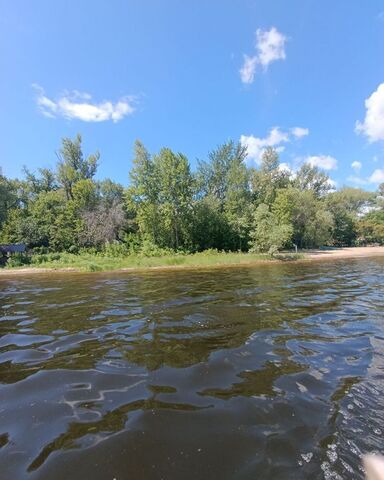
<point>269,372</point>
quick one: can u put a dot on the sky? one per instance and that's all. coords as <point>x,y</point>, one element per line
<point>303,76</point>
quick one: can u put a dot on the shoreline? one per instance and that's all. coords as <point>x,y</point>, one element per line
<point>308,256</point>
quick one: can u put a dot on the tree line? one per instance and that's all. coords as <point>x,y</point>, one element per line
<point>224,205</point>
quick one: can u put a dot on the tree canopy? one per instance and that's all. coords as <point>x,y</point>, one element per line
<point>225,204</point>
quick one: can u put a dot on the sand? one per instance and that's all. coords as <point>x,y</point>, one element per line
<point>348,252</point>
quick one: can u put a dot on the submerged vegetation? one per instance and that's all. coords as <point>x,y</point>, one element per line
<point>66,217</point>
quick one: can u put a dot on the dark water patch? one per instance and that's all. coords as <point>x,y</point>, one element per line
<point>267,372</point>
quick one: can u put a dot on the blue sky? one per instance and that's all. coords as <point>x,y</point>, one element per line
<point>304,76</point>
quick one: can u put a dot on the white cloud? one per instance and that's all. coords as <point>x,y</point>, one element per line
<point>270,47</point>
<point>373,124</point>
<point>76,105</point>
<point>276,139</point>
<point>356,166</point>
<point>325,162</point>
<point>256,146</point>
<point>299,132</point>
<point>247,71</point>
<point>377,176</point>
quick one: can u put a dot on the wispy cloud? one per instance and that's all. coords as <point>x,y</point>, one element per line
<point>373,125</point>
<point>78,105</point>
<point>247,71</point>
<point>276,139</point>
<point>357,180</point>
<point>270,47</point>
<point>326,162</point>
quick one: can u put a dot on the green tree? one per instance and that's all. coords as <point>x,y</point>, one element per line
<point>268,235</point>
<point>110,193</point>
<point>8,198</point>
<point>175,198</point>
<point>143,195</point>
<point>44,182</point>
<point>210,228</point>
<point>237,205</point>
<point>312,223</point>
<point>72,165</point>
<point>269,178</point>
<point>312,178</point>
<point>214,176</point>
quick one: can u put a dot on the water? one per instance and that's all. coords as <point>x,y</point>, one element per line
<point>273,372</point>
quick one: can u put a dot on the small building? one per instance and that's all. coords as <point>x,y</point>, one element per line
<point>7,250</point>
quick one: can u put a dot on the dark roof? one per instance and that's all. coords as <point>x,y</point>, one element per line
<point>13,248</point>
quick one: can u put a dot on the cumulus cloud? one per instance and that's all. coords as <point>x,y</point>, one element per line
<point>326,162</point>
<point>299,132</point>
<point>256,146</point>
<point>356,166</point>
<point>373,125</point>
<point>77,105</point>
<point>377,176</point>
<point>276,139</point>
<point>270,47</point>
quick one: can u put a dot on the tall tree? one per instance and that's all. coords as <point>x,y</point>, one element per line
<point>269,178</point>
<point>8,198</point>
<point>312,222</point>
<point>72,165</point>
<point>213,175</point>
<point>143,194</point>
<point>175,197</point>
<point>309,177</point>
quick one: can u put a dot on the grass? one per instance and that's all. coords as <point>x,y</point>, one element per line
<point>88,262</point>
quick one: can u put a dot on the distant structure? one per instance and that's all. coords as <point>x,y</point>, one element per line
<point>6,250</point>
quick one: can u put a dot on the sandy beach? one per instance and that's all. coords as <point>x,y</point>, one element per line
<point>348,252</point>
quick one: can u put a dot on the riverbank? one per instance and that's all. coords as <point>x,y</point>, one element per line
<point>348,252</point>
<point>92,263</point>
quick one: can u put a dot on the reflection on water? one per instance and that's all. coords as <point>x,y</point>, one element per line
<point>242,373</point>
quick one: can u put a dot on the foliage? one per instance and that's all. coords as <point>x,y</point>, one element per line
<point>268,235</point>
<point>312,178</point>
<point>168,210</point>
<point>72,166</point>
<point>312,224</point>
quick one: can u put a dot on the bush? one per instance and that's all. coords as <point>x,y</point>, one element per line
<point>18,260</point>
<point>149,249</point>
<point>115,249</point>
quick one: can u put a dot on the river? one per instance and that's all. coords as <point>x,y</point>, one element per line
<point>270,372</point>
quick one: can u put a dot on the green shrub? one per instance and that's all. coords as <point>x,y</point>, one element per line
<point>18,260</point>
<point>115,249</point>
<point>149,249</point>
